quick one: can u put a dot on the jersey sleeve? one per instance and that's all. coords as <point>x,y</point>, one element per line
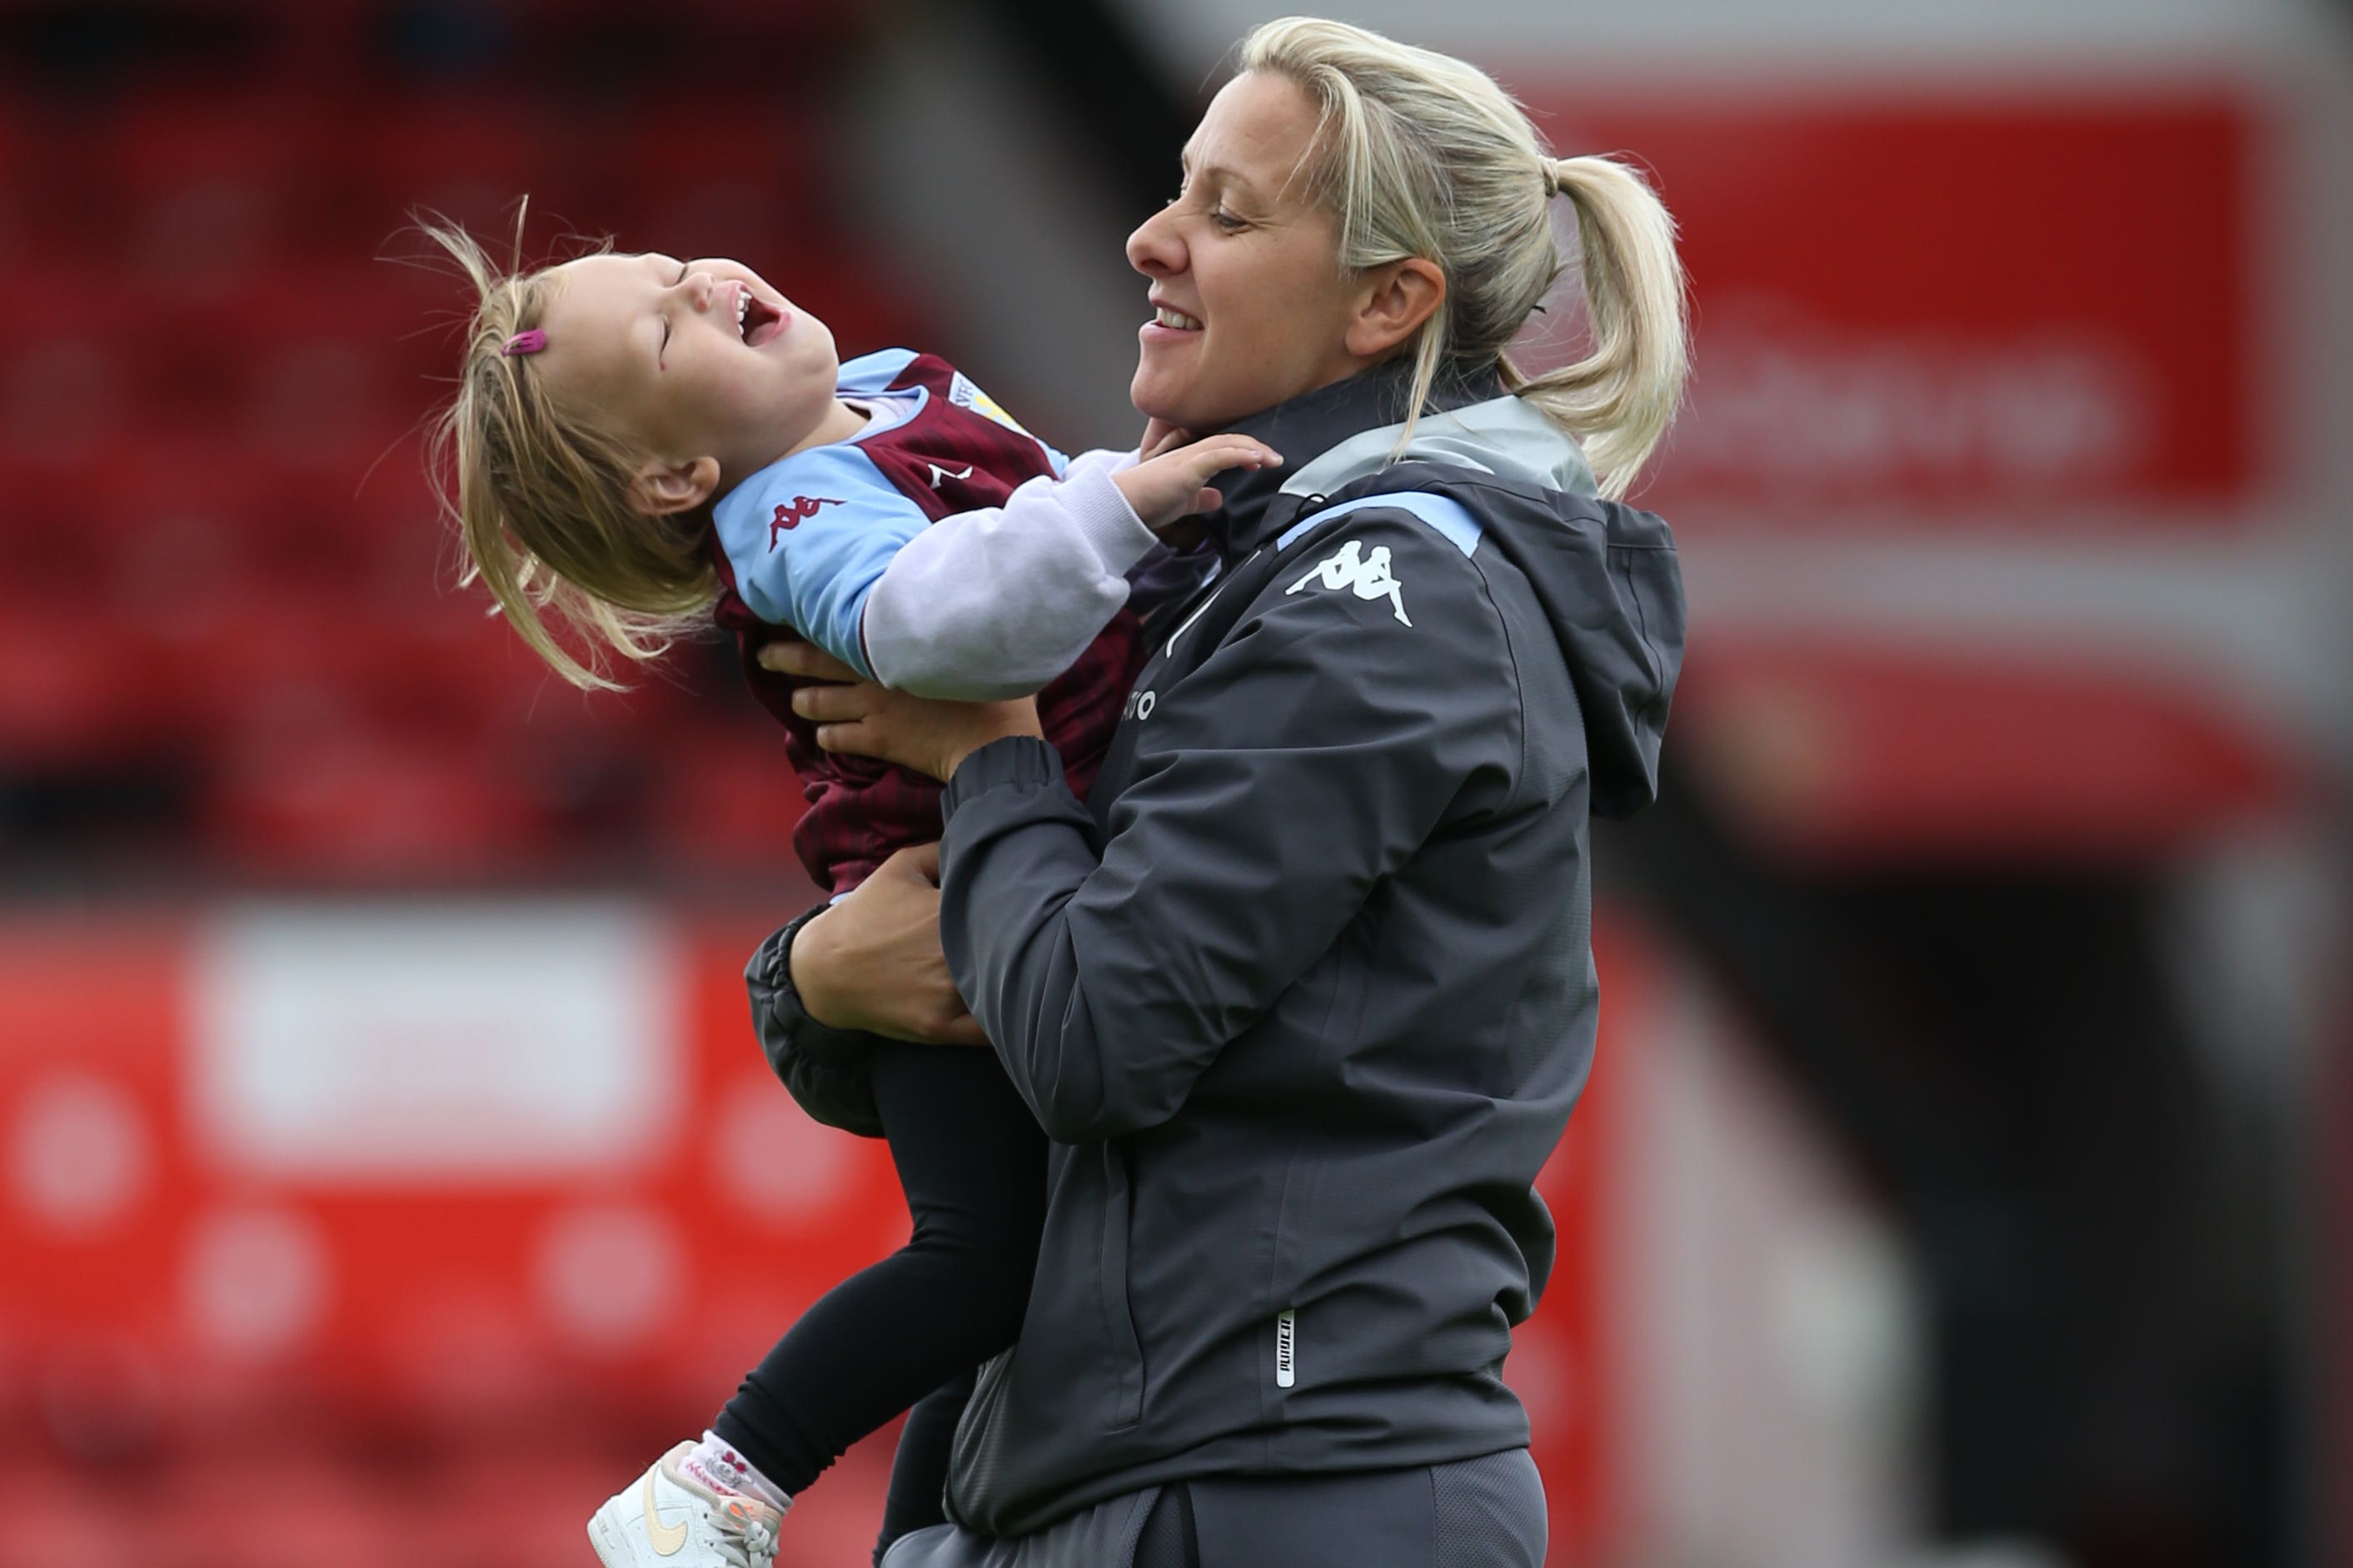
<point>996,602</point>
<point>809,538</point>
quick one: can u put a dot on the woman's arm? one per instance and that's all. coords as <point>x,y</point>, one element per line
<point>1308,757</point>
<point>872,961</point>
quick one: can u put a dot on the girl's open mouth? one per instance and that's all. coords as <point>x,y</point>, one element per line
<point>759,321</point>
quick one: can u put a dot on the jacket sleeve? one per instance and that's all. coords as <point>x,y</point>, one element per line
<point>996,602</point>
<point>1304,760</point>
<point>827,1069</point>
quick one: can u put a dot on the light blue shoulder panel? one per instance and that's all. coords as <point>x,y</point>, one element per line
<point>809,536</point>
<point>870,375</point>
<point>1447,516</point>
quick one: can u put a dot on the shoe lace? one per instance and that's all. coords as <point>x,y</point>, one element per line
<point>747,1534</point>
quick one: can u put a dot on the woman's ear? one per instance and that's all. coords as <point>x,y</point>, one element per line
<point>661,488</point>
<point>1393,301</point>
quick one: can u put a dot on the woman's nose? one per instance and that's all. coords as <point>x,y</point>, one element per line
<point>1154,249</point>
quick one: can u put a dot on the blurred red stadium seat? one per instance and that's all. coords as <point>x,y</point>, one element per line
<point>726,802</point>
<point>213,187</point>
<point>65,386</point>
<point>308,367</point>
<point>54,540</point>
<point>464,159</point>
<point>338,806</point>
<point>72,690</point>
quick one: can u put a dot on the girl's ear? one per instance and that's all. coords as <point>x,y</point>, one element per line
<point>1395,300</point>
<point>661,488</point>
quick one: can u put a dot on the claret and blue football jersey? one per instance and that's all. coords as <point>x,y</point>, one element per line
<point>801,545</point>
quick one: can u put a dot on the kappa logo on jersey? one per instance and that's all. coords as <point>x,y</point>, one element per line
<point>965,395</point>
<point>1368,576</point>
<point>939,474</point>
<point>791,515</point>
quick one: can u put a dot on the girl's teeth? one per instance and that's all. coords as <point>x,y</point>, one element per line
<point>1177,319</point>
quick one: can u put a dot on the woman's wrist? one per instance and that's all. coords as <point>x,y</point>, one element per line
<point>966,746</point>
<point>807,961</point>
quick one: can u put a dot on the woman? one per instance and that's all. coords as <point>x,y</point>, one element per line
<point>1305,994</point>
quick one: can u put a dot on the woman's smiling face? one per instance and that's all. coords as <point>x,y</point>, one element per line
<point>1252,308</point>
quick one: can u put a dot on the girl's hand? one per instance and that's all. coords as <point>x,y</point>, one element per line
<point>873,962</point>
<point>1159,435</point>
<point>1170,486</point>
<point>865,720</point>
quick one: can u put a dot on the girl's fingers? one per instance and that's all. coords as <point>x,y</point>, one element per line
<point>1234,452</point>
<point>1206,500</point>
<point>1208,461</point>
<point>1249,447</point>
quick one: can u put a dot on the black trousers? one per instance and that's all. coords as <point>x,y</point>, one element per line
<point>910,1329</point>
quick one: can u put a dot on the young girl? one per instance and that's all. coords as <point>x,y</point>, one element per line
<point>639,441</point>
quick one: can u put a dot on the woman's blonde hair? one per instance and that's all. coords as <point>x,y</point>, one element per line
<point>541,497</point>
<point>1418,153</point>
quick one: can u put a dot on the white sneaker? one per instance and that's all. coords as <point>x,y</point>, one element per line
<point>670,1519</point>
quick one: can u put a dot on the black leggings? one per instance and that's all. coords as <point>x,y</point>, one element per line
<point>913,1327</point>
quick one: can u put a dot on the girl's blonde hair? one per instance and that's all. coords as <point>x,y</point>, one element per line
<point>541,497</point>
<point>1418,153</point>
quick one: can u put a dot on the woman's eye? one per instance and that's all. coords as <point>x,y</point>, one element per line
<point>1227,221</point>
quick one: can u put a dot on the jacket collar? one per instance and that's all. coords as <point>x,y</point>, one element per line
<point>1312,424</point>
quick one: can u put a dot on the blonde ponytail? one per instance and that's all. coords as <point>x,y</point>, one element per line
<point>1621,397</point>
<point>1418,153</point>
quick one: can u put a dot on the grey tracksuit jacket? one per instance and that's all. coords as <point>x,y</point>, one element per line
<point>1305,994</point>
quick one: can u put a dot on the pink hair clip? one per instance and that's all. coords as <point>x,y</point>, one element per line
<point>529,342</point>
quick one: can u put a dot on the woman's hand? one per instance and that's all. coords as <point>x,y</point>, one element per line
<point>869,720</point>
<point>1171,482</point>
<point>873,962</point>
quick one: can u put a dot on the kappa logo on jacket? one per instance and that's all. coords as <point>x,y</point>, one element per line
<point>1368,576</point>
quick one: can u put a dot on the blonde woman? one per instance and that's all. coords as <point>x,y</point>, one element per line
<point>1302,992</point>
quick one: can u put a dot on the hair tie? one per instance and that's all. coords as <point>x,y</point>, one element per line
<point>1551,177</point>
<point>526,342</point>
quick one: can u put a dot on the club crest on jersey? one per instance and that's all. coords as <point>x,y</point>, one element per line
<point>1368,577</point>
<point>965,395</point>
